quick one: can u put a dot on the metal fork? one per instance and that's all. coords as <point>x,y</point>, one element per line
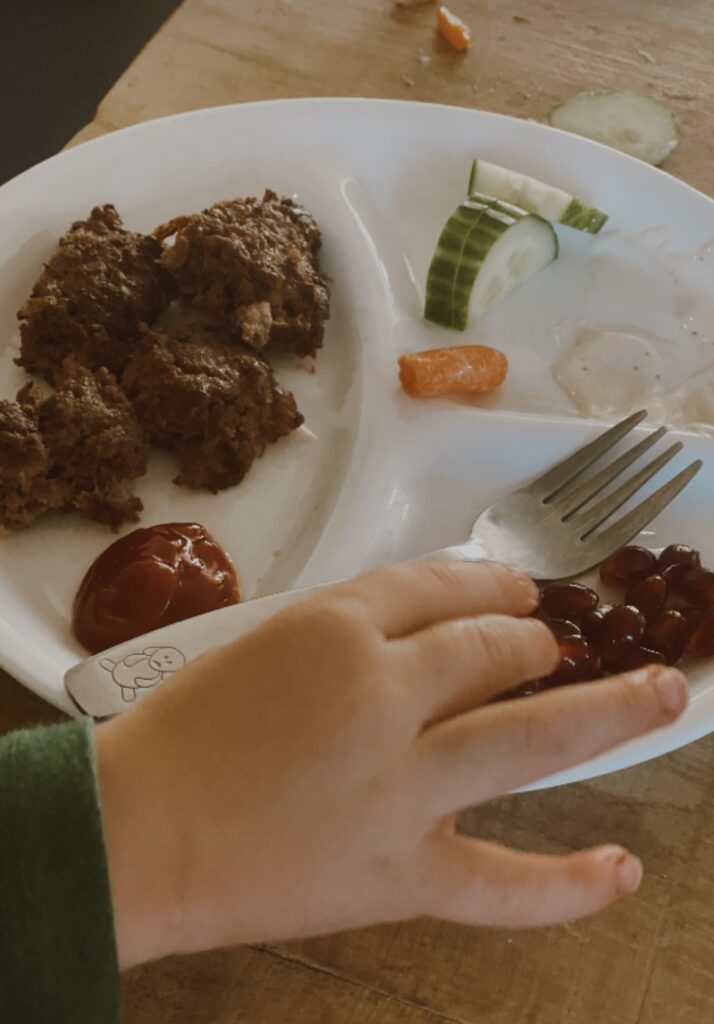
<point>551,528</point>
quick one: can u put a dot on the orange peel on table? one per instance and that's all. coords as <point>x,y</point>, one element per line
<point>460,370</point>
<point>452,29</point>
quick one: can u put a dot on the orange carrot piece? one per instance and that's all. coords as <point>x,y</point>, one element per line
<point>461,370</point>
<point>453,30</point>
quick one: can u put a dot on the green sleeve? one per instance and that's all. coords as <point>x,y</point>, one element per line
<point>57,951</point>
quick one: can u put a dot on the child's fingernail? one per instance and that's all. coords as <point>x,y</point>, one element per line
<point>671,690</point>
<point>628,869</point>
<point>629,873</point>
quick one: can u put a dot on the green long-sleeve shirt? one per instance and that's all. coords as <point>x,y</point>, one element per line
<point>58,959</point>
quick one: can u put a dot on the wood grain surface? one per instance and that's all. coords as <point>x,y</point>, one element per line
<point>649,959</point>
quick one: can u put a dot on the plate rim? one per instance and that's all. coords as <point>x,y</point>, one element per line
<point>186,115</point>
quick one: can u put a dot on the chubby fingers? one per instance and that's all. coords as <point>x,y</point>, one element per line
<point>490,751</point>
<point>462,663</point>
<point>402,599</point>
<point>479,883</point>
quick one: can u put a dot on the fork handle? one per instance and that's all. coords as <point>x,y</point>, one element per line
<point>115,680</point>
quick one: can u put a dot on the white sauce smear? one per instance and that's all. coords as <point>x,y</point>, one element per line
<point>608,373</point>
<point>663,360</point>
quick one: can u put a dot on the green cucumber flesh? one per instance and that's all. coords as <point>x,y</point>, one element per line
<point>485,250</point>
<point>626,120</point>
<point>535,196</point>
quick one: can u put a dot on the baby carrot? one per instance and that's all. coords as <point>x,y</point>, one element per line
<point>461,370</point>
<point>453,29</point>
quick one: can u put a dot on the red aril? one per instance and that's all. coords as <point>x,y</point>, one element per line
<point>640,657</point>
<point>701,643</point>
<point>697,587</point>
<point>561,628</point>
<point>593,622</point>
<point>620,633</point>
<point>627,566</point>
<point>668,635</point>
<point>675,562</point>
<point>649,595</point>
<point>570,601</point>
<point>578,663</point>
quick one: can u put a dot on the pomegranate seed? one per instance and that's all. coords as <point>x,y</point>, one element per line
<point>649,595</point>
<point>562,628</point>
<point>701,643</point>
<point>578,663</point>
<point>593,621</point>
<point>627,566</point>
<point>668,634</point>
<point>675,562</point>
<point>570,601</point>
<point>640,657</point>
<point>697,587</point>
<point>620,633</point>
<point>691,614</point>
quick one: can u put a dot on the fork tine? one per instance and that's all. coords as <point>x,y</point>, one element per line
<point>571,500</point>
<point>585,522</point>
<point>563,472</point>
<point>629,525</point>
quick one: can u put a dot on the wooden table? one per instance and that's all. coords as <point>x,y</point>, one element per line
<point>649,959</point>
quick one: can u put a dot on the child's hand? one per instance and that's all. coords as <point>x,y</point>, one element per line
<point>305,778</point>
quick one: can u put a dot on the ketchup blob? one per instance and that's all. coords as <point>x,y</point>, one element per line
<point>150,578</point>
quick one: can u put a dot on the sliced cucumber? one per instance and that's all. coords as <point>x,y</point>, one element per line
<point>487,248</point>
<point>636,124</point>
<point>535,196</point>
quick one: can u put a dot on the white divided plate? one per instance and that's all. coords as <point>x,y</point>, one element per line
<point>377,476</point>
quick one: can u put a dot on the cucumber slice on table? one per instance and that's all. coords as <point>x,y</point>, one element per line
<point>535,196</point>
<point>636,124</point>
<point>487,248</point>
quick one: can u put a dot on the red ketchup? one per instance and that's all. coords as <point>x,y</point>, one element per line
<point>151,578</point>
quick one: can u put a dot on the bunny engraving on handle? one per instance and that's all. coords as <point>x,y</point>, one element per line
<point>143,669</point>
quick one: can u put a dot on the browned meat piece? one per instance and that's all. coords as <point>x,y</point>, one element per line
<point>253,266</point>
<point>96,445</point>
<point>25,489</point>
<point>211,402</point>
<point>80,448</point>
<point>100,285</point>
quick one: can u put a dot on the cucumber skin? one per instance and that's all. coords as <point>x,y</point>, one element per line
<point>575,215</point>
<point>455,314</point>
<point>583,218</point>
<point>436,307</point>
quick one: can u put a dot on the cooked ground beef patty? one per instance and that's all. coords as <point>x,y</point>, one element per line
<point>25,488</point>
<point>95,291</point>
<point>252,265</point>
<point>76,450</point>
<point>211,402</point>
